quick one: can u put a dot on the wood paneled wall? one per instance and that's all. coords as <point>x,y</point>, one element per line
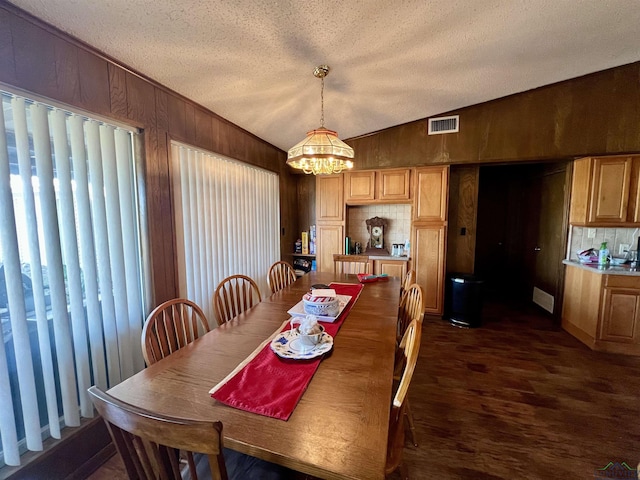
<point>38,58</point>
<point>596,114</point>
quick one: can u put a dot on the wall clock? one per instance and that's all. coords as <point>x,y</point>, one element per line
<point>376,227</point>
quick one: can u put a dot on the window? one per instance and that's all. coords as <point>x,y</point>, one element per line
<point>71,297</point>
<point>227,217</point>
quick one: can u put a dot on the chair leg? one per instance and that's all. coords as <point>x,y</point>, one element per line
<point>412,426</point>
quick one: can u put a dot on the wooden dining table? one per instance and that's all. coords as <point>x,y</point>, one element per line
<point>339,428</point>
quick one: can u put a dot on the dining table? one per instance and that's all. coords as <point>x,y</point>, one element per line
<point>338,429</point>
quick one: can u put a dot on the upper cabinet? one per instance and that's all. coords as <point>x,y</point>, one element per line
<point>377,186</point>
<point>329,198</point>
<point>432,189</point>
<point>359,186</point>
<point>605,191</point>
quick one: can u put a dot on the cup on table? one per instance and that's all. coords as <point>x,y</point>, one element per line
<point>308,329</point>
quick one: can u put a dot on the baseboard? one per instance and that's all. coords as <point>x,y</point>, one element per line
<point>94,463</point>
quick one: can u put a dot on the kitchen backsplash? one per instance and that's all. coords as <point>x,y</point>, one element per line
<point>398,229</point>
<point>613,236</point>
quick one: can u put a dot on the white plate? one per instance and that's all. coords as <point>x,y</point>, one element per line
<point>298,309</point>
<point>288,344</point>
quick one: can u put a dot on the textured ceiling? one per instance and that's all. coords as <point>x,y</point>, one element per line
<point>392,61</point>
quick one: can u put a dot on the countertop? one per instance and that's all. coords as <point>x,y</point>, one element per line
<point>388,257</point>
<point>605,270</point>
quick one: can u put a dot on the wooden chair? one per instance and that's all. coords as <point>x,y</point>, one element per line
<point>409,279</point>
<point>150,445</point>
<point>351,264</point>
<point>170,326</point>
<point>410,346</point>
<point>280,275</point>
<point>234,295</point>
<point>411,309</point>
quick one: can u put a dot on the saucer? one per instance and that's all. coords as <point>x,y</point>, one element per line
<point>288,344</point>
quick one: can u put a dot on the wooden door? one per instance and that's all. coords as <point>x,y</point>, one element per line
<point>548,251</point>
<point>330,240</point>
<point>359,186</point>
<point>432,189</point>
<point>610,189</point>
<point>329,198</point>
<point>429,247</point>
<point>394,184</point>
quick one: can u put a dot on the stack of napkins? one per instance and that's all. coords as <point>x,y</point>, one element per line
<point>324,292</point>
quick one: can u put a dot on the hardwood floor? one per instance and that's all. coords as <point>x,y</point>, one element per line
<point>518,398</point>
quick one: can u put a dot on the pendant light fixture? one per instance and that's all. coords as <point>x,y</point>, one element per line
<point>321,152</point>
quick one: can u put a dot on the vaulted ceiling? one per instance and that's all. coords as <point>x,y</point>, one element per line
<point>251,61</point>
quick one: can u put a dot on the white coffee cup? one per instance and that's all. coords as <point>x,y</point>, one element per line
<point>308,340</point>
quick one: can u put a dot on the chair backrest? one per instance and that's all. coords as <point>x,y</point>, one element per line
<point>351,264</point>
<point>280,275</point>
<point>409,279</point>
<point>234,295</point>
<point>149,443</point>
<point>170,326</point>
<point>410,346</point>
<point>411,308</point>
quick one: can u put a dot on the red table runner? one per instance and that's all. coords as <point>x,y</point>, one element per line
<point>272,386</point>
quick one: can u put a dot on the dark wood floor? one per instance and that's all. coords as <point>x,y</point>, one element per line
<point>518,398</point>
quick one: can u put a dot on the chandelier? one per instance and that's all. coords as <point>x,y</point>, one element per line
<point>321,152</point>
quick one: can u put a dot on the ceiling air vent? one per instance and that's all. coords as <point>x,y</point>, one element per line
<point>444,125</point>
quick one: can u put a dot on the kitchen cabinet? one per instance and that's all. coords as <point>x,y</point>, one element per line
<point>621,310</point>
<point>330,240</point>
<point>605,191</point>
<point>372,186</point>
<point>428,261</point>
<point>393,268</point>
<point>428,234</point>
<point>602,310</point>
<point>330,220</point>
<point>359,186</point>
<point>329,199</point>
<point>432,191</point>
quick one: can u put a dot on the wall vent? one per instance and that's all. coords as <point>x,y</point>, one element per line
<point>444,125</point>
<point>543,299</point>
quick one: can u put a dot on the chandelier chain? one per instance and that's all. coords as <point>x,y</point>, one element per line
<point>322,102</point>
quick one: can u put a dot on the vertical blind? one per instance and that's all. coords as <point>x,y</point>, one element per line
<point>227,217</point>
<point>71,299</point>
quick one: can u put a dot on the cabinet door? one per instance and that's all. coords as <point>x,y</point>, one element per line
<point>620,316</point>
<point>330,240</point>
<point>393,184</point>
<point>359,186</point>
<point>329,199</point>
<point>580,185</point>
<point>432,189</point>
<point>429,251</point>
<point>610,189</point>
<point>393,268</point>
<point>634,195</point>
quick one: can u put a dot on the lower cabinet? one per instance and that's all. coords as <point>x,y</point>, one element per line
<point>602,311</point>
<point>428,261</point>
<point>393,268</point>
<point>329,240</point>
<point>621,314</point>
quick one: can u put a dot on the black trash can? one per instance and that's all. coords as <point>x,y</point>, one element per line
<point>465,300</point>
